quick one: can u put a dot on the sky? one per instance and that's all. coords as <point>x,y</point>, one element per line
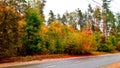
<point>61,6</point>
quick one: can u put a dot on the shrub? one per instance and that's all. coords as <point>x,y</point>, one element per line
<point>118,45</point>
<point>113,40</point>
<point>106,47</point>
<point>53,39</point>
<point>81,43</point>
<point>73,44</point>
<point>107,44</point>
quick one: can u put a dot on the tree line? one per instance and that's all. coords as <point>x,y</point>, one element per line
<point>23,30</point>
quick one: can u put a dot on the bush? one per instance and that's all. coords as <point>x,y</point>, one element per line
<point>118,45</point>
<point>106,47</point>
<point>81,43</point>
<point>113,40</point>
<point>53,38</point>
<point>73,44</point>
<point>107,44</point>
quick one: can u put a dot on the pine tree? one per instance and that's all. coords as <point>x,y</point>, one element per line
<point>52,17</point>
<point>97,18</point>
<point>64,20</point>
<point>107,17</point>
<point>31,37</point>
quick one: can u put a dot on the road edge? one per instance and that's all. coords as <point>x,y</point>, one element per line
<point>46,60</point>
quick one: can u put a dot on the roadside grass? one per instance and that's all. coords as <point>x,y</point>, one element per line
<point>103,53</point>
<point>99,53</point>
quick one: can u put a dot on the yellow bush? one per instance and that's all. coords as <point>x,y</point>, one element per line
<point>118,45</point>
<point>81,43</point>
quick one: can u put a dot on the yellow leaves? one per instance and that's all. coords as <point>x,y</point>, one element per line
<point>118,45</point>
<point>44,29</point>
<point>21,23</point>
<point>56,27</point>
<point>8,8</point>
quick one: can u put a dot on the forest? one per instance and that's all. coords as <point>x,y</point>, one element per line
<point>24,30</point>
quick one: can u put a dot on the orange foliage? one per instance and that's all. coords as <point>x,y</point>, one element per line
<point>89,31</point>
<point>71,28</point>
<point>88,41</point>
<point>21,23</point>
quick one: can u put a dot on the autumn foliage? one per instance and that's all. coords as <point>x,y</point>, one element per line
<point>9,18</point>
<point>24,33</point>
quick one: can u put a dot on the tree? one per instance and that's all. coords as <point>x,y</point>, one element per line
<point>105,15</point>
<point>64,20</point>
<point>90,11</point>
<point>90,16</point>
<point>80,18</point>
<point>58,17</point>
<point>39,5</point>
<point>52,17</point>
<point>72,19</point>
<point>32,37</point>
<point>19,5</point>
<point>118,22</point>
<point>8,30</point>
<point>112,25</point>
<point>97,17</point>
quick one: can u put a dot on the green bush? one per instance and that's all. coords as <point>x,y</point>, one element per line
<point>106,47</point>
<point>113,40</point>
<point>107,44</point>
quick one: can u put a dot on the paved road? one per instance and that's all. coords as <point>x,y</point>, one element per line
<point>85,62</point>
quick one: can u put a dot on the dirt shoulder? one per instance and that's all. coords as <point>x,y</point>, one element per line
<point>113,65</point>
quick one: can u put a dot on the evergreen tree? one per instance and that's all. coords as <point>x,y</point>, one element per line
<point>97,18</point>
<point>39,5</point>
<point>58,17</point>
<point>80,18</point>
<point>118,23</point>
<point>64,20</point>
<point>52,17</point>
<point>32,37</point>
<point>107,17</point>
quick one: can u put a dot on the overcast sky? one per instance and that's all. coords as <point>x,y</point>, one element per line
<point>61,6</point>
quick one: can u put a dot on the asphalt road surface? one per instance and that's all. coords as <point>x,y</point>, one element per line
<point>84,62</point>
